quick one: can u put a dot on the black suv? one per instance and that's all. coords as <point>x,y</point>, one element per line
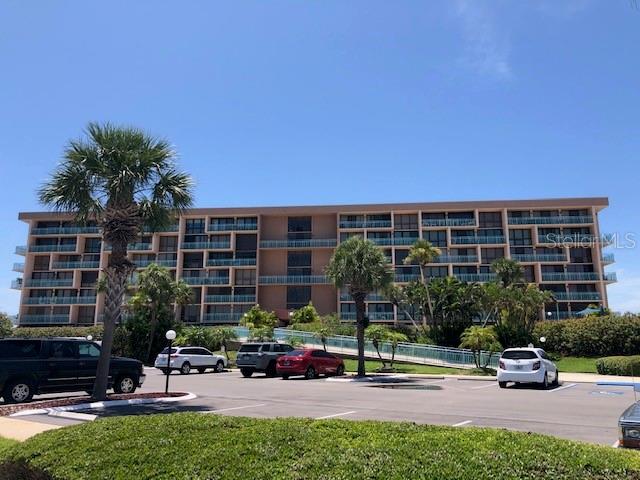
<point>260,357</point>
<point>51,365</point>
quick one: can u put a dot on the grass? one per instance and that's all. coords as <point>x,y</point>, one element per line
<point>5,444</point>
<point>195,446</point>
<point>351,365</point>
<point>577,365</point>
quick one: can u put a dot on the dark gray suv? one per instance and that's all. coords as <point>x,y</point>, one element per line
<point>260,357</point>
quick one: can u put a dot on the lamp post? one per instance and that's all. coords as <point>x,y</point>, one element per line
<point>171,336</point>
<point>549,315</point>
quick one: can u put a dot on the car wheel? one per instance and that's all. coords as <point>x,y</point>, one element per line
<point>185,369</point>
<point>285,376</point>
<point>19,391</point>
<point>310,373</point>
<point>556,381</point>
<point>340,370</point>
<point>125,384</point>
<point>165,371</point>
<point>202,370</point>
<point>246,372</point>
<point>502,384</point>
<point>271,370</point>
<point>219,366</point>
<point>545,381</point>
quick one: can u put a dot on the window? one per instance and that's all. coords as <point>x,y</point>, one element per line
<point>20,348</point>
<point>490,220</point>
<point>519,355</point>
<point>406,221</point>
<point>299,228</point>
<point>88,350</point>
<point>41,262</point>
<point>249,347</point>
<point>92,245</point>
<point>247,222</point>
<point>298,296</point>
<point>580,255</point>
<point>168,244</point>
<point>299,263</point>
<point>194,226</point>
<point>400,256</point>
<point>192,260</point>
<point>437,237</point>
<point>316,353</point>
<point>266,347</point>
<point>489,255</point>
<point>63,350</point>
<point>247,243</point>
<point>520,237</point>
<point>245,277</point>
<point>437,272</point>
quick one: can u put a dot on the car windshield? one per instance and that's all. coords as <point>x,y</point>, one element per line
<point>519,355</point>
<point>295,353</point>
<point>252,347</point>
<point>166,350</point>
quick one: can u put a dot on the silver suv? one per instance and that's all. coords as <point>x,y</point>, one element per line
<point>184,359</point>
<point>260,357</point>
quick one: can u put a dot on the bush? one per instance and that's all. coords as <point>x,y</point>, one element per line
<point>328,449</point>
<point>306,314</point>
<point>592,336</point>
<point>619,365</point>
<point>66,331</point>
<point>340,329</point>
<point>199,337</point>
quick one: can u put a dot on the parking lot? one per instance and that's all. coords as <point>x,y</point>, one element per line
<point>578,411</point>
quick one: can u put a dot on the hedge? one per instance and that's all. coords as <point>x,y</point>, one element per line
<point>197,447</point>
<point>66,331</point>
<point>619,365</point>
<point>592,336</point>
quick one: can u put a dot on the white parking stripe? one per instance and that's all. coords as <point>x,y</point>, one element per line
<point>493,384</point>
<point>466,422</point>
<point>235,408</point>
<point>562,388</point>
<point>616,444</point>
<point>336,415</point>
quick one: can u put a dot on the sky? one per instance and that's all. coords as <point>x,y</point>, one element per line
<point>335,101</point>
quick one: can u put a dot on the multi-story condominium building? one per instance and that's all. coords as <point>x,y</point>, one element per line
<point>275,256</point>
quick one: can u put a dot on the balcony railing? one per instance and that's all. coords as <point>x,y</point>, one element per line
<point>222,317</point>
<point>59,300</point>
<point>18,267</point>
<point>169,228</point>
<point>456,259</point>
<point>365,224</point>
<point>206,280</point>
<point>372,297</point>
<point>475,277</point>
<point>586,238</point>
<point>229,227</point>
<point>375,316</point>
<point>64,230</point>
<point>230,299</point>
<point>399,241</point>
<point>570,276</point>
<point>73,265</point>
<point>579,296</point>
<point>48,282</point>
<point>556,220</point>
<point>610,277</point>
<point>21,250</point>
<point>162,263</point>
<point>406,277</point>
<point>480,239</point>
<point>205,245</point>
<point>539,257</point>
<point>448,222</point>
<point>608,258</point>
<point>43,319</point>
<point>298,243</point>
<point>53,248</point>
<point>16,284</point>
<point>293,280</point>
<point>231,262</point>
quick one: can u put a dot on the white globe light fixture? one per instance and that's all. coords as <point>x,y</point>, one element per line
<point>89,337</point>
<point>543,339</point>
<point>170,335</point>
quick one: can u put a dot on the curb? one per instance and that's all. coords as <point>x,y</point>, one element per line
<point>102,405</point>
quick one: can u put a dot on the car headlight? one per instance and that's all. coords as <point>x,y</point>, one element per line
<point>631,432</point>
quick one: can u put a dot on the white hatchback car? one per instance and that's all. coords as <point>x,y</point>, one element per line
<point>184,359</point>
<point>526,365</point>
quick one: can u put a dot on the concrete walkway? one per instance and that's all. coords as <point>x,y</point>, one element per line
<point>20,430</point>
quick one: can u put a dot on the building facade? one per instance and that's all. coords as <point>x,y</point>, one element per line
<point>234,258</point>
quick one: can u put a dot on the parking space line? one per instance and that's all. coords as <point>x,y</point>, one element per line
<point>336,415</point>
<point>562,388</point>
<point>466,422</point>
<point>616,444</point>
<point>493,384</point>
<point>235,408</point>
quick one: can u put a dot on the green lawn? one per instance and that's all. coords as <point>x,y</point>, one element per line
<point>5,444</point>
<point>198,447</point>
<point>577,365</point>
<point>372,365</point>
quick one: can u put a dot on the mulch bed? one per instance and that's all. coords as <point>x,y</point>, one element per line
<point>9,409</point>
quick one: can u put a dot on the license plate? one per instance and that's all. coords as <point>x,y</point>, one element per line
<point>518,367</point>
<point>286,362</point>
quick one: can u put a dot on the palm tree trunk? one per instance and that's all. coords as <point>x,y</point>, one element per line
<point>152,331</point>
<point>423,277</point>
<point>360,309</point>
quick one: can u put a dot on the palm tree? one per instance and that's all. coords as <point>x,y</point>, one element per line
<point>126,180</point>
<point>423,252</point>
<point>509,272</point>
<point>361,267</point>
<point>479,339</point>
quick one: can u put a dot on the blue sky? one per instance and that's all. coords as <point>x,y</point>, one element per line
<point>314,102</point>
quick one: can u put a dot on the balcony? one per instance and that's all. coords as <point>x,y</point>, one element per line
<point>132,246</point>
<point>584,238</point>
<point>298,243</point>
<point>608,258</point>
<point>65,230</point>
<point>206,280</point>
<point>374,316</point>
<point>372,297</point>
<point>398,241</point>
<point>74,265</point>
<point>48,282</point>
<point>578,296</point>
<point>479,239</point>
<point>610,277</point>
<point>570,277</point>
<point>231,262</point>
<point>556,220</point>
<point>43,319</point>
<point>365,224</point>
<point>406,277</point>
<point>21,250</point>
<point>162,263</point>
<point>230,299</point>
<point>59,300</point>
<point>293,280</point>
<point>168,228</point>
<point>539,257</point>
<point>53,248</point>
<point>230,227</point>
<point>206,245</point>
<point>222,317</point>
<point>16,284</point>
<point>456,259</point>
<point>475,277</point>
<point>448,222</point>
<point>18,267</point>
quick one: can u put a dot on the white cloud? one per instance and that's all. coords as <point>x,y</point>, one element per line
<point>624,296</point>
<point>486,51</point>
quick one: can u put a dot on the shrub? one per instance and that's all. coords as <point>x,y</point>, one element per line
<point>619,365</point>
<point>199,337</point>
<point>66,331</point>
<point>6,327</point>
<point>592,336</point>
<point>306,314</point>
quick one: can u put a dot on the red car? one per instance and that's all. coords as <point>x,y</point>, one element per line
<point>309,363</point>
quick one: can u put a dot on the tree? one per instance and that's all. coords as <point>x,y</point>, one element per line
<point>454,307</point>
<point>199,337</point>
<point>323,333</point>
<point>260,323</point>
<point>155,295</point>
<point>395,338</point>
<point>377,334</point>
<point>225,335</point>
<point>125,180</point>
<point>422,252</point>
<point>509,272</point>
<point>359,266</point>
<point>306,314</point>
<point>6,326</point>
<point>479,339</point>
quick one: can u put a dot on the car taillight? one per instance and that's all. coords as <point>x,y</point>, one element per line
<point>175,355</point>
<point>501,365</point>
<point>535,366</point>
